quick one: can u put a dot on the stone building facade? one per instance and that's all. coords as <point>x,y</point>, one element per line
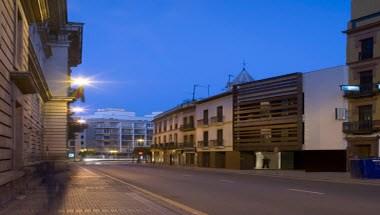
<point>38,48</point>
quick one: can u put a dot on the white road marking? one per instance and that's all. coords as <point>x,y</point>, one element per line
<point>226,181</point>
<point>174,203</point>
<point>306,191</point>
<point>86,176</point>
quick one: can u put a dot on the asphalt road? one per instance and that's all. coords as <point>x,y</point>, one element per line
<point>233,194</point>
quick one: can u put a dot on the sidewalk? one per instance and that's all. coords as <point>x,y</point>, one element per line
<point>76,190</point>
<point>334,177</point>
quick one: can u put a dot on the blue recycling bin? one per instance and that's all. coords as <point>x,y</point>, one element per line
<point>365,168</point>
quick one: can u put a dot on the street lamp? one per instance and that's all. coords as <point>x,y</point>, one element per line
<point>80,81</point>
<point>77,109</point>
<point>81,121</point>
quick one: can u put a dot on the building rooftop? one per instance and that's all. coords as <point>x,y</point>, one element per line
<point>119,113</point>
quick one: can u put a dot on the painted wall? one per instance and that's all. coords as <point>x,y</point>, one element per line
<point>321,96</point>
<point>211,106</point>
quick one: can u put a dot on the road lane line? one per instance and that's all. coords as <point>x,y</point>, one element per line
<point>157,196</point>
<point>226,181</point>
<point>306,191</point>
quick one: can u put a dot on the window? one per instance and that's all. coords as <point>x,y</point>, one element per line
<point>72,143</point>
<point>175,138</point>
<point>341,113</point>
<point>205,117</point>
<point>266,134</point>
<point>165,139</point>
<point>185,138</point>
<point>365,116</point>
<point>366,82</point>
<point>205,138</point>
<point>366,49</point>
<point>170,138</point>
<point>219,137</point>
<point>219,113</point>
<point>191,138</point>
<point>184,121</point>
<point>191,121</point>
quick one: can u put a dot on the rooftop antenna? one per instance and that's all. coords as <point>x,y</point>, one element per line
<point>230,76</point>
<point>194,89</point>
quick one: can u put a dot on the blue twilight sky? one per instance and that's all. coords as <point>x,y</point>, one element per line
<point>149,53</point>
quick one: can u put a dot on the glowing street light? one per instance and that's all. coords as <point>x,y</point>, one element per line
<point>77,109</point>
<point>140,140</point>
<point>81,121</point>
<point>80,81</point>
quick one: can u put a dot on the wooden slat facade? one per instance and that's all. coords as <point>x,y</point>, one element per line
<point>268,114</point>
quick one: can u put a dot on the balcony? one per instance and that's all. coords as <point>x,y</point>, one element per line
<point>203,144</point>
<point>365,55</point>
<point>170,145</point>
<point>360,91</point>
<point>211,144</point>
<point>361,127</point>
<point>188,145</point>
<point>202,122</point>
<point>217,143</point>
<point>217,120</point>
<point>107,126</point>
<point>187,127</point>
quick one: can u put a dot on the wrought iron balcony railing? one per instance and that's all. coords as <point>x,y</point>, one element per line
<point>187,127</point>
<point>359,91</point>
<point>202,122</point>
<point>217,119</point>
<point>361,127</point>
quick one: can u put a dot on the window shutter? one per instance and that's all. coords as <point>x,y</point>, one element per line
<point>341,113</point>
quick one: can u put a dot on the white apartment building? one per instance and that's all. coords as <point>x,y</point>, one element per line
<point>115,130</point>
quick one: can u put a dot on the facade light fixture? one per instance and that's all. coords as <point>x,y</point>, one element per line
<point>350,88</point>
